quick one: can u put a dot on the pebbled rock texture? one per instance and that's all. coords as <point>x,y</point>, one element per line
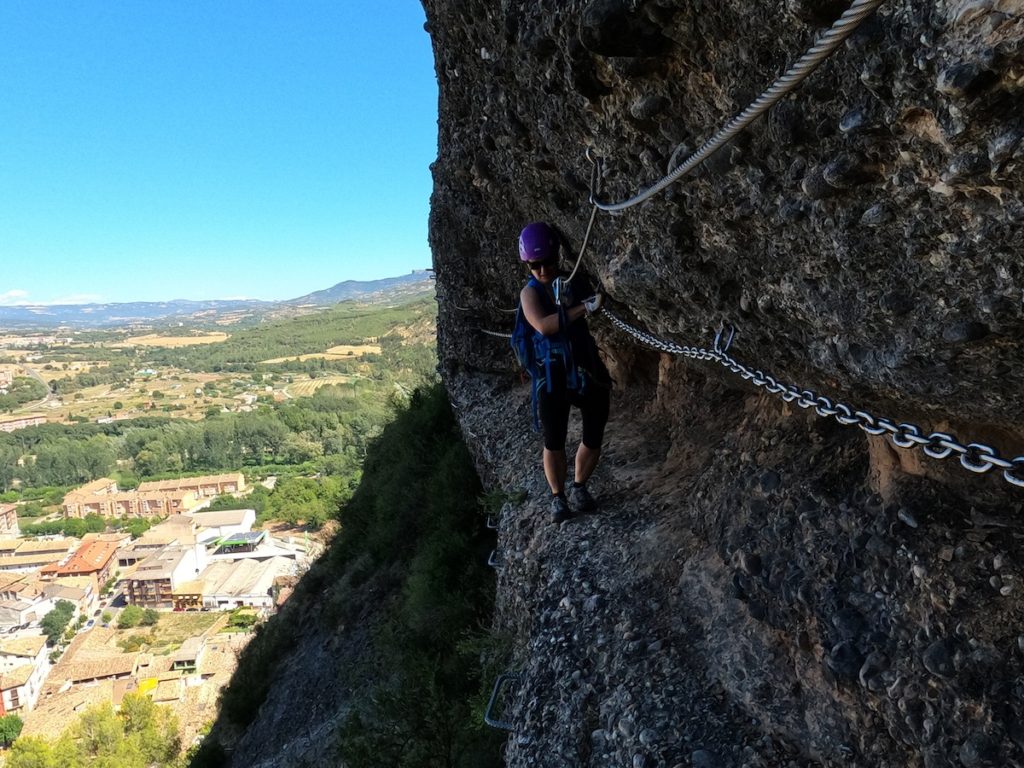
<point>761,587</point>
<point>864,236</point>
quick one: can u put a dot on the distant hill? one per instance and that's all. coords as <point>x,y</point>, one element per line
<point>415,283</point>
<point>128,313</point>
<point>220,311</point>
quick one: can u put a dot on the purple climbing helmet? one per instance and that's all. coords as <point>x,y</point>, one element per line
<point>538,242</point>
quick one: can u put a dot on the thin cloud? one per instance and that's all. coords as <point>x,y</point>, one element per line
<point>74,298</point>
<point>13,296</point>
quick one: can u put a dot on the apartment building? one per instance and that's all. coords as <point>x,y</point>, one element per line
<point>156,578</point>
<point>102,497</point>
<point>95,558</point>
<point>9,520</point>
<point>204,487</point>
<point>31,555</point>
<point>21,422</point>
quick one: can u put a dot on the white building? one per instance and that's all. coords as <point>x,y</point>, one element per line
<point>249,583</point>
<point>24,612</point>
<point>211,526</point>
<point>24,663</point>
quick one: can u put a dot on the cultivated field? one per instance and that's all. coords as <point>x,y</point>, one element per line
<point>340,352</point>
<point>155,340</point>
<point>308,387</point>
<point>170,391</point>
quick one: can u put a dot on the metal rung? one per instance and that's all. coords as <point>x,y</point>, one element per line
<point>492,721</point>
<point>492,522</point>
<point>493,559</point>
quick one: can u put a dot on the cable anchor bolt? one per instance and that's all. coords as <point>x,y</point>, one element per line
<point>729,332</point>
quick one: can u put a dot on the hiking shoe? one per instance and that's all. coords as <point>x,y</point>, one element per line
<point>582,501</point>
<point>560,511</point>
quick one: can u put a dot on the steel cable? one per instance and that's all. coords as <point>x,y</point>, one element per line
<point>824,47</point>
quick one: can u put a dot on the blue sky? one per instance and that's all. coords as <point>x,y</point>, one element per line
<point>265,149</point>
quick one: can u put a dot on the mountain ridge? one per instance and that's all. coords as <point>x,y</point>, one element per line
<point>103,314</point>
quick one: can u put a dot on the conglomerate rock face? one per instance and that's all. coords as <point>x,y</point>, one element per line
<point>761,586</point>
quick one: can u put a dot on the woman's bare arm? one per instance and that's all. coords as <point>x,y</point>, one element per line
<point>533,309</point>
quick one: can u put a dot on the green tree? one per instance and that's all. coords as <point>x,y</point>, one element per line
<point>31,752</point>
<point>98,731</point>
<point>10,728</point>
<point>149,618</point>
<point>54,622</point>
<point>130,617</point>
<point>142,735</point>
<point>8,466</point>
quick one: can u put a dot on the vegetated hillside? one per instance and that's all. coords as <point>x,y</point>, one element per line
<point>310,430</point>
<point>375,659</point>
<point>763,586</point>
<point>348,323</point>
<point>22,390</point>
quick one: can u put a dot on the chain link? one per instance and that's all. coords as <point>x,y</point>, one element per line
<point>974,457</point>
<point>496,334</point>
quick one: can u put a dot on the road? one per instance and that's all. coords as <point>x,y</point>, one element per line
<point>26,407</point>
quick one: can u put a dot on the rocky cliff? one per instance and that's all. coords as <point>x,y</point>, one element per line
<point>762,586</point>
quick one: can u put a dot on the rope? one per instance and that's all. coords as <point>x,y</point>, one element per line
<point>583,248</point>
<point>595,182</point>
<point>821,50</point>
<point>974,457</point>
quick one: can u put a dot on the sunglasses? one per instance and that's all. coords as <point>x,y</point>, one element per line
<point>535,265</point>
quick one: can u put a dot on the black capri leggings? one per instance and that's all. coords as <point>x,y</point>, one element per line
<point>553,408</point>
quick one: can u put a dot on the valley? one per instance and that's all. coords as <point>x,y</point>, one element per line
<point>163,488</point>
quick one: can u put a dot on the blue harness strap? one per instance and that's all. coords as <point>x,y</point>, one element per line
<point>539,354</point>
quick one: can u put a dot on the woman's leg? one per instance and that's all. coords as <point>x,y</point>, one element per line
<point>586,463</point>
<point>594,407</point>
<point>555,469</point>
<point>553,409</point>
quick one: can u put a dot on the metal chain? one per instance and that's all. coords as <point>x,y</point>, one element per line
<point>496,334</point>
<point>974,457</point>
<point>824,47</point>
<point>459,308</point>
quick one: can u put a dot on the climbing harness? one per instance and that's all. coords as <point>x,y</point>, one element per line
<point>540,355</point>
<point>974,457</point>
<point>824,47</point>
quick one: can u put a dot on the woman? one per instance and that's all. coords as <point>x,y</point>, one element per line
<point>568,370</point>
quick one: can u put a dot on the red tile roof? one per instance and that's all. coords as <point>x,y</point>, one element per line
<point>91,557</point>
